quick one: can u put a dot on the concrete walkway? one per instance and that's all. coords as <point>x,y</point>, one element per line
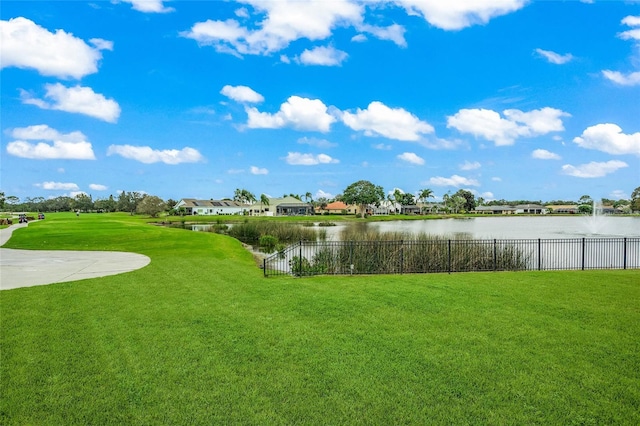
<point>27,268</point>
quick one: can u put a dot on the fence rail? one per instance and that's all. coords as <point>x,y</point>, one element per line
<point>307,258</point>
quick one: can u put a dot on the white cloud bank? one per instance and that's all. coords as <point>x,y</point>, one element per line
<point>459,14</point>
<point>280,22</point>
<point>258,171</point>
<point>555,58</point>
<point>27,45</point>
<point>147,155</point>
<point>543,154</point>
<point>324,56</point>
<point>98,187</point>
<point>467,165</point>
<point>411,157</point>
<point>610,139</point>
<point>81,100</point>
<point>149,6</point>
<point>393,123</point>
<point>593,169</point>
<point>298,113</point>
<point>455,181</point>
<point>299,159</point>
<point>58,186</point>
<point>489,125</point>
<point>630,79</point>
<point>242,94</point>
<point>50,145</point>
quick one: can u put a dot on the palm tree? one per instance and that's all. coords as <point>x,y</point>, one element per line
<point>425,194</point>
<point>308,197</point>
<point>264,201</point>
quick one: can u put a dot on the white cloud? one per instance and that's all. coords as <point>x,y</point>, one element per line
<point>60,54</point>
<point>610,139</point>
<point>298,113</point>
<point>320,143</point>
<point>631,79</point>
<point>382,147</point>
<point>51,144</point>
<point>82,100</point>
<point>235,171</point>
<point>489,125</point>
<point>242,94</point>
<point>467,165</point>
<point>593,169</point>
<point>633,34</point>
<point>459,14</point>
<point>58,186</point>
<point>98,187</point>
<point>299,159</point>
<point>149,6</point>
<point>147,155</point>
<point>496,179</point>
<point>359,38</point>
<point>323,194</point>
<point>412,158</point>
<point>322,55</point>
<point>455,180</point>
<point>393,123</point>
<point>618,194</point>
<point>543,154</point>
<point>284,21</point>
<point>258,171</point>
<point>394,33</point>
<point>555,58</point>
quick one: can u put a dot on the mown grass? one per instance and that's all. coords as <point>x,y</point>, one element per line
<point>200,337</point>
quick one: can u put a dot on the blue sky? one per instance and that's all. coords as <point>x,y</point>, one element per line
<point>509,99</point>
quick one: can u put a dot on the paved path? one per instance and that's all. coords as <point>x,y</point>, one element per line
<point>27,268</point>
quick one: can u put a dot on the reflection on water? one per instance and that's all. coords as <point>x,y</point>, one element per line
<point>545,227</point>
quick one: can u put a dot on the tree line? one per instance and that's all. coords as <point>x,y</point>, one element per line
<point>362,193</point>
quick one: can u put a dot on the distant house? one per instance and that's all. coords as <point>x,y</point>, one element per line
<point>531,209</point>
<point>410,209</point>
<point>284,206</point>
<point>563,209</point>
<point>194,207</point>
<point>337,207</point>
<point>495,210</point>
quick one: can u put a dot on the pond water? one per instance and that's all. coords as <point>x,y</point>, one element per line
<point>517,227</point>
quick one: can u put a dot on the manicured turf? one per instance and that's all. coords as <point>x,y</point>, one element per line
<point>200,337</point>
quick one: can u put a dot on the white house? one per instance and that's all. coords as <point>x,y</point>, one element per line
<point>211,207</point>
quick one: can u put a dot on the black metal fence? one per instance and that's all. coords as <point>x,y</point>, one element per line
<point>447,255</point>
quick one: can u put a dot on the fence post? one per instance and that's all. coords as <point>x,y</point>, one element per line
<point>449,257</point>
<point>624,254</point>
<point>539,254</point>
<point>401,257</point>
<point>264,266</point>
<point>300,259</point>
<point>583,249</point>
<point>495,254</point>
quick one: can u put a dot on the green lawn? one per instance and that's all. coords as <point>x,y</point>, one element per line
<point>200,337</point>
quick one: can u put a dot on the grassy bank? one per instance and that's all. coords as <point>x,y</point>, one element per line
<point>200,337</point>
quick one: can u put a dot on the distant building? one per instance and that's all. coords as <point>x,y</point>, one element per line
<point>194,207</point>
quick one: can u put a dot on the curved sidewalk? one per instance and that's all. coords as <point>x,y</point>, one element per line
<point>27,268</point>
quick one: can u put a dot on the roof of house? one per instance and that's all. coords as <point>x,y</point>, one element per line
<point>336,205</point>
<point>193,203</point>
<point>530,206</point>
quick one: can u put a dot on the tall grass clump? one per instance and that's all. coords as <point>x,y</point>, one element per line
<point>371,252</point>
<point>251,231</point>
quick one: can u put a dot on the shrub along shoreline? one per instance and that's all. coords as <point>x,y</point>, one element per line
<point>199,336</point>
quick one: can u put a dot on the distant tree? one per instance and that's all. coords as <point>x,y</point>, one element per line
<point>171,203</point>
<point>308,197</point>
<point>2,200</point>
<point>151,205</point>
<point>243,196</point>
<point>264,200</point>
<point>469,199</point>
<point>83,202</point>
<point>635,200</point>
<point>363,193</point>
<point>585,199</point>
<point>11,201</point>
<point>425,194</point>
